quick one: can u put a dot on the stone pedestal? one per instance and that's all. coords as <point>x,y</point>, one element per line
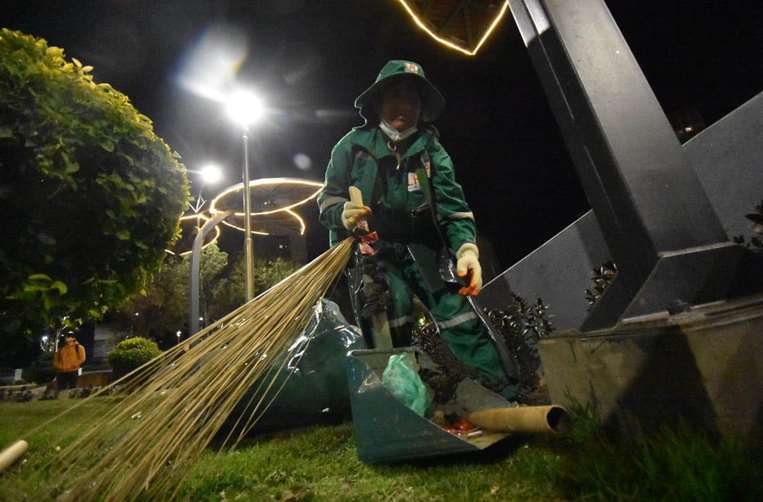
<point>704,366</point>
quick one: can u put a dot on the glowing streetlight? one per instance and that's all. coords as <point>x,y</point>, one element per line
<point>211,174</point>
<point>244,108</point>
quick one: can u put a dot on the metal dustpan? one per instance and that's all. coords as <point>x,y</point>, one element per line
<point>387,431</point>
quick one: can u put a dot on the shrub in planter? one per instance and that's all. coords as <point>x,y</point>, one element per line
<point>90,195</point>
<point>132,353</point>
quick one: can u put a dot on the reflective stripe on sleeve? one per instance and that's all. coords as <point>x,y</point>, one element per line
<point>400,321</point>
<point>459,319</point>
<point>457,215</point>
<point>461,215</point>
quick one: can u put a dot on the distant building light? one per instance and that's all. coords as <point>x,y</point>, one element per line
<point>688,129</point>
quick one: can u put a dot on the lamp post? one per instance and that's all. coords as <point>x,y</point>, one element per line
<point>245,108</point>
<point>210,174</point>
<point>248,248</point>
<point>193,314</point>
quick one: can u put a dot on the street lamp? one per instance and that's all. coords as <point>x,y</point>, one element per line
<point>244,108</point>
<point>210,174</point>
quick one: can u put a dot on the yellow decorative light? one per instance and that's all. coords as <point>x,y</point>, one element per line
<point>213,209</point>
<point>448,43</point>
<point>254,232</point>
<point>197,217</point>
<point>302,225</point>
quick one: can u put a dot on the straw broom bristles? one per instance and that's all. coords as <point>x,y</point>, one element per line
<point>174,405</point>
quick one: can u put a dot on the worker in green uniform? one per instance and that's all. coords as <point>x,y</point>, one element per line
<point>412,201</point>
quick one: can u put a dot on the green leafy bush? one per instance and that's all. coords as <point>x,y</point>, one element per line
<point>132,353</point>
<point>90,195</point>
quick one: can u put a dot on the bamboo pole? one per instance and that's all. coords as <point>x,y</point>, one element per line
<point>522,419</point>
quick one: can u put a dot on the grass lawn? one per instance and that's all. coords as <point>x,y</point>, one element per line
<point>319,463</point>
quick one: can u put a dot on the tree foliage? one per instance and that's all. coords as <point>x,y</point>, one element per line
<point>230,294</point>
<point>90,195</point>
<point>163,308</point>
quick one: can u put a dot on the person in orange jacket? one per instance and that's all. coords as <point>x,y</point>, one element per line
<point>67,362</point>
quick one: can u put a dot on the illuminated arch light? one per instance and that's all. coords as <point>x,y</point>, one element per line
<point>302,226</point>
<point>264,182</point>
<point>199,224</point>
<point>300,220</point>
<point>448,43</point>
<point>237,227</point>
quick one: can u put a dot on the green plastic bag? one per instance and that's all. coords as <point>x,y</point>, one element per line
<point>403,381</point>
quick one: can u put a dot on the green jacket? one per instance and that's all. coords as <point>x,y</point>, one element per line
<point>355,160</point>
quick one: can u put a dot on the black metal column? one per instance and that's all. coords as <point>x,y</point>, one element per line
<point>659,224</point>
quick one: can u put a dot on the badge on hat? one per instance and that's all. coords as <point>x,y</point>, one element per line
<point>412,68</point>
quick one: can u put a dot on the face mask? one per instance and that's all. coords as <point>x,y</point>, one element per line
<point>395,135</point>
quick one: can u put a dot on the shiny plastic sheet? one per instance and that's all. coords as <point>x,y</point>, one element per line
<point>311,376</point>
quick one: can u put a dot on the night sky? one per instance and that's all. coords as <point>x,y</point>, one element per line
<point>311,58</point>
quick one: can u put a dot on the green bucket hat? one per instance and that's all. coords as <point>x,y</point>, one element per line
<point>432,102</point>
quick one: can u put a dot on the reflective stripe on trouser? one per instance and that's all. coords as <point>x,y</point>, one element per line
<point>459,326</point>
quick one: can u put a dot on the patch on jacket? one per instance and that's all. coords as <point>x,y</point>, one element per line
<point>427,164</point>
<point>413,182</point>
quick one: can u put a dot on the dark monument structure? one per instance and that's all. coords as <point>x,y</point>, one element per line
<point>679,333</point>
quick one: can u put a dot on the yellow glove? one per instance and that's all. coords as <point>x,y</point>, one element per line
<point>353,214</point>
<point>468,266</point>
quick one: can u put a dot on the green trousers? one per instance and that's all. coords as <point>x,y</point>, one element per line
<point>459,326</point>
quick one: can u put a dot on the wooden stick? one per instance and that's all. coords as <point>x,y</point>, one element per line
<point>380,331</point>
<point>356,197</point>
<point>9,455</point>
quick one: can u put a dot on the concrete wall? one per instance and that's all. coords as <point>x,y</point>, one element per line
<point>728,159</point>
<point>106,337</point>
